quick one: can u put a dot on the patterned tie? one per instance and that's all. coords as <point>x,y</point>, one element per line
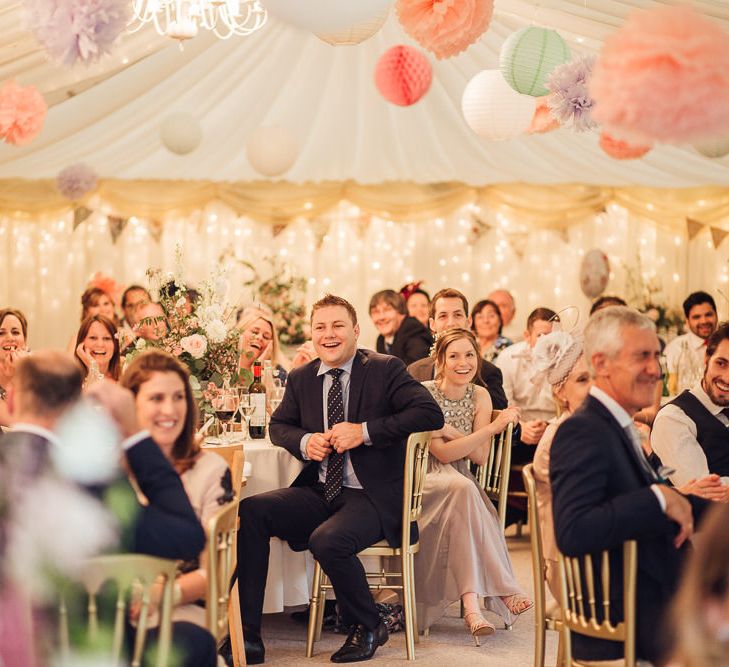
<point>335,415</point>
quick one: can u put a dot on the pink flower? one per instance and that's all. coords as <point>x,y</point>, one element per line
<point>177,350</point>
<point>22,112</point>
<point>196,345</point>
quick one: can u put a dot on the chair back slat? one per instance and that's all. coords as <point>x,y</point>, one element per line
<point>234,456</point>
<point>590,581</point>
<point>493,476</point>
<point>605,576</point>
<point>118,640</point>
<point>416,466</point>
<point>221,560</point>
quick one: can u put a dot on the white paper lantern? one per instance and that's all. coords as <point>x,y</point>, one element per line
<point>493,110</point>
<point>594,273</point>
<point>272,150</point>
<point>326,16</point>
<point>357,33</point>
<point>714,148</point>
<point>180,133</point>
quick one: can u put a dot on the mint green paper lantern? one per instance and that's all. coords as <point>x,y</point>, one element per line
<point>528,57</point>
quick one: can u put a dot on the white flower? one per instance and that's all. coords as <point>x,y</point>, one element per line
<point>220,286</point>
<point>195,383</point>
<point>140,344</point>
<point>196,345</point>
<point>181,302</point>
<point>216,331</point>
<point>550,349</point>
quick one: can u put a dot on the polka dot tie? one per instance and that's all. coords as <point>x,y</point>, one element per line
<point>335,415</point>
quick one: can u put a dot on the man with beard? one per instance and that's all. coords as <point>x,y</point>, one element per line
<point>691,433</point>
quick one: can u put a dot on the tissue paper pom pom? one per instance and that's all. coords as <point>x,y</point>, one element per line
<point>72,30</point>
<point>543,120</point>
<point>570,101</point>
<point>621,150</point>
<point>403,75</point>
<point>445,27</point>
<point>75,181</point>
<point>664,76</point>
<point>22,112</point>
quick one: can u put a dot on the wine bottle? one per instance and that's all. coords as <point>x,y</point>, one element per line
<point>257,393</point>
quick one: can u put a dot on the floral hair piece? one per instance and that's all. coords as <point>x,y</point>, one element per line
<point>409,289</point>
<point>555,355</point>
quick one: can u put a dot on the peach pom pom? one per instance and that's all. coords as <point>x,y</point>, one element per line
<point>543,120</point>
<point>621,150</point>
<point>445,27</point>
<point>22,112</point>
<point>664,76</point>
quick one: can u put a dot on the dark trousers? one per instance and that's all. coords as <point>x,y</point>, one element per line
<point>334,533</point>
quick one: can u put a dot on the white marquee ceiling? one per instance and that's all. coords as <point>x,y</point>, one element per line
<point>108,115</point>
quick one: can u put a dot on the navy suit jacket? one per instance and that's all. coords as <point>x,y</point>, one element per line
<point>381,393</point>
<point>601,497</point>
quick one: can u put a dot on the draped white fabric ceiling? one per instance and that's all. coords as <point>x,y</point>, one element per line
<point>108,115</point>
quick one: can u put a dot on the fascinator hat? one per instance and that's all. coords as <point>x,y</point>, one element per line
<point>554,356</point>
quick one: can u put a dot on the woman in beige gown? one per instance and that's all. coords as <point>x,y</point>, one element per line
<point>463,553</point>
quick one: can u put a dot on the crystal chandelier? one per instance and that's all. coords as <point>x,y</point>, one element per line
<point>181,19</point>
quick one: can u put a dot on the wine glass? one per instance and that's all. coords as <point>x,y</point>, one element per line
<point>246,409</point>
<point>277,393</point>
<point>225,404</point>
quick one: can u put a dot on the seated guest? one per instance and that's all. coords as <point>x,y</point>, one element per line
<point>97,349</point>
<point>13,347</point>
<point>348,415</point>
<point>560,362</point>
<point>132,298</point>
<point>167,409</point>
<point>151,321</point>
<point>95,301</point>
<point>536,401</point>
<point>690,433</point>
<point>603,489</point>
<point>401,336</point>
<point>259,340</point>
<point>486,323</point>
<point>605,302</point>
<point>685,354</point>
<point>507,308</point>
<point>463,553</point>
<point>449,310</point>
<point>417,301</point>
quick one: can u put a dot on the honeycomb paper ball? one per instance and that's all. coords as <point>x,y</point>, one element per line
<point>272,150</point>
<point>528,57</point>
<point>714,148</point>
<point>621,150</point>
<point>403,75</point>
<point>181,133</point>
<point>493,110</point>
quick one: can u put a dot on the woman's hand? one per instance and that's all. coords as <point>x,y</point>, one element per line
<point>8,359</point>
<point>83,355</point>
<point>510,415</point>
<point>266,352</point>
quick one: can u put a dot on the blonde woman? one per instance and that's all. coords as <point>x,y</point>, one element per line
<point>259,341</point>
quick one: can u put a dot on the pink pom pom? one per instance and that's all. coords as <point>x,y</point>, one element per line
<point>22,112</point>
<point>621,150</point>
<point>543,120</point>
<point>445,27</point>
<point>664,76</point>
<point>403,75</point>
<point>77,180</point>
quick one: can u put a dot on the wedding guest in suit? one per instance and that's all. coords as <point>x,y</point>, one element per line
<point>132,298</point>
<point>507,307</point>
<point>603,489</point>
<point>259,340</point>
<point>449,310</point>
<point>97,349</point>
<point>486,324</point>
<point>401,336</point>
<point>13,347</point>
<point>463,553</point>
<point>691,433</point>
<point>348,415</point>
<point>560,362</point>
<point>417,301</point>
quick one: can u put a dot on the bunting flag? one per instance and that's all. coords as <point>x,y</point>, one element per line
<point>80,213</point>
<point>278,227</point>
<point>116,226</point>
<point>718,235</point>
<point>563,234</point>
<point>155,229</point>
<point>693,227</point>
<point>518,242</point>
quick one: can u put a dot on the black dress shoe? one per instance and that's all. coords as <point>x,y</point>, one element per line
<point>253,645</point>
<point>361,643</point>
<point>225,650</point>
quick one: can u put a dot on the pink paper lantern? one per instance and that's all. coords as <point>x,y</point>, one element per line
<point>403,75</point>
<point>22,113</point>
<point>621,150</point>
<point>445,27</point>
<point>543,120</point>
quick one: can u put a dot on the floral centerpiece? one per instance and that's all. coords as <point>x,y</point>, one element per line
<point>196,334</point>
<point>646,294</point>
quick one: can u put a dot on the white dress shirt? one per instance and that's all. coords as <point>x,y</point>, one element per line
<point>535,400</point>
<point>685,358</point>
<point>674,439</point>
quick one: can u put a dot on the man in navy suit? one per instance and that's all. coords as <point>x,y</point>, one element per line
<point>603,489</point>
<point>349,414</point>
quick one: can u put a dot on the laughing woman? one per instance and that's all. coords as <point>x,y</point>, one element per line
<point>258,341</point>
<point>463,553</point>
<point>97,349</point>
<point>13,346</point>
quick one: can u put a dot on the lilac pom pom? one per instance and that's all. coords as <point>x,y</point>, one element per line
<point>569,99</point>
<point>75,181</point>
<point>76,30</point>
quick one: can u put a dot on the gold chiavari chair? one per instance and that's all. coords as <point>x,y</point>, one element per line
<point>416,465</point>
<point>126,571</point>
<point>581,601</point>
<point>543,621</point>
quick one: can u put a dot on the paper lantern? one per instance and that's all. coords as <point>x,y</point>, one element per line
<point>323,17</point>
<point>714,148</point>
<point>543,120</point>
<point>357,33</point>
<point>621,150</point>
<point>403,75</point>
<point>528,57</point>
<point>77,180</point>
<point>181,133</point>
<point>272,150</point>
<point>493,109</point>
<point>594,273</point>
